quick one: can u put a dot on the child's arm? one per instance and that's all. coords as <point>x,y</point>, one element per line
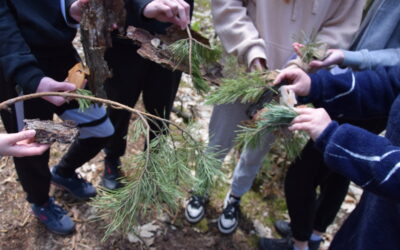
<point>366,94</point>
<point>237,31</point>
<point>16,61</point>
<point>369,160</point>
<point>359,60</point>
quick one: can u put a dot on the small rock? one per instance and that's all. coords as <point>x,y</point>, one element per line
<point>261,230</point>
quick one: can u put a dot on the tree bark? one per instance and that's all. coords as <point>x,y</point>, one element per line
<point>99,17</point>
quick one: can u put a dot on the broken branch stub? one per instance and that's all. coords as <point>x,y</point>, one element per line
<point>98,19</point>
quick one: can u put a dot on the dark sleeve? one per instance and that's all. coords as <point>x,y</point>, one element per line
<point>16,61</point>
<point>68,4</point>
<point>137,7</point>
<point>360,95</point>
<point>369,160</point>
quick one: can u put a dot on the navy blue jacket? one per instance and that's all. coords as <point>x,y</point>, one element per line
<point>29,29</point>
<point>371,161</point>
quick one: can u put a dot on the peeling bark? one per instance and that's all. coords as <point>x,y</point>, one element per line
<point>98,19</point>
<point>154,48</point>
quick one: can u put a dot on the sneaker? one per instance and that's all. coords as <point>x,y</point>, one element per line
<point>228,221</point>
<point>195,208</point>
<point>314,244</point>
<point>275,244</point>
<point>112,174</point>
<point>285,244</point>
<point>76,185</point>
<point>54,218</point>
<point>283,228</point>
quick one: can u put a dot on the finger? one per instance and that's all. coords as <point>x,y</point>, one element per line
<point>56,100</point>
<point>304,110</point>
<point>184,12</point>
<point>300,126</point>
<point>36,149</point>
<point>64,86</point>
<point>166,10</point>
<point>316,64</point>
<point>302,118</point>
<point>281,77</point>
<point>23,135</point>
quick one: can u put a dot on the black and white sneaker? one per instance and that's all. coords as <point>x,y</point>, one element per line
<point>228,221</point>
<point>194,210</point>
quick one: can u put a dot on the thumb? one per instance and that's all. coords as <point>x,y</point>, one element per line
<point>20,136</point>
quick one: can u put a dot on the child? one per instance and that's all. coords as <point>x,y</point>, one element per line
<point>260,34</point>
<point>369,160</point>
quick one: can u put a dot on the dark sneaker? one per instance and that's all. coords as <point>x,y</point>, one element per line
<point>76,185</point>
<point>283,228</point>
<point>228,221</point>
<point>54,218</point>
<point>112,175</point>
<point>195,208</point>
<point>314,244</point>
<point>275,244</point>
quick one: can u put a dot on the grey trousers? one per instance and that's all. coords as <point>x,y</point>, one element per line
<point>222,131</point>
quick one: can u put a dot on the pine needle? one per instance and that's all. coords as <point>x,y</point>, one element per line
<point>158,182</point>
<point>84,103</point>
<point>246,88</point>
<point>312,50</point>
<point>201,55</point>
<point>275,119</point>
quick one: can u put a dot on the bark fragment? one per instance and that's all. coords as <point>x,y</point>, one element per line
<point>49,131</point>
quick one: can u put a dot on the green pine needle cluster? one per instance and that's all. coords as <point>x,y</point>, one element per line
<point>275,119</point>
<point>158,182</point>
<point>201,56</point>
<point>246,88</point>
<point>84,103</point>
<point>312,50</point>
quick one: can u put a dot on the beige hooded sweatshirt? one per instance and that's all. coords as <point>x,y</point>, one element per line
<point>267,28</point>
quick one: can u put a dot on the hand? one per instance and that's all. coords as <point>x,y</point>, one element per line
<point>171,11</point>
<point>258,64</point>
<point>300,81</point>
<point>312,121</point>
<point>19,144</point>
<point>49,85</point>
<point>75,11</point>
<point>335,57</point>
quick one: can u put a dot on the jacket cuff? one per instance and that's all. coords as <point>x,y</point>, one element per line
<point>253,53</point>
<point>323,139</point>
<point>352,59</point>
<point>315,90</point>
<point>65,6</point>
<point>28,78</point>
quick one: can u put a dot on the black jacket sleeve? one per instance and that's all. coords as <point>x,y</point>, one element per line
<point>19,66</point>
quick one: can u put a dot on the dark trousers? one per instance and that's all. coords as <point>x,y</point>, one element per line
<point>307,210</point>
<point>33,172</point>
<point>133,75</point>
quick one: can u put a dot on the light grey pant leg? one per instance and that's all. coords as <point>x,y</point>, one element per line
<point>223,126</point>
<point>249,165</point>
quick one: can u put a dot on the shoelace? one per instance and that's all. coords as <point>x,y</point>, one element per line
<point>196,202</point>
<point>54,209</point>
<point>230,210</point>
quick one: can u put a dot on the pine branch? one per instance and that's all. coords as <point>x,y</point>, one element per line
<point>245,87</point>
<point>197,55</point>
<point>159,183</point>
<point>275,119</point>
